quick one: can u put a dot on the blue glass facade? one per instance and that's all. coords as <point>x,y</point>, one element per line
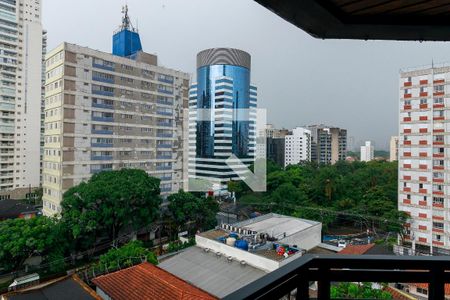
<point>208,78</point>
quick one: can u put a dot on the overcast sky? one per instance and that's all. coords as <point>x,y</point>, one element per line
<point>301,80</point>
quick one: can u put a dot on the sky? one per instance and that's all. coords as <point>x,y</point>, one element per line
<point>301,80</point>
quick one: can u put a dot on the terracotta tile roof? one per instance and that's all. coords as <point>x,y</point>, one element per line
<point>356,249</point>
<point>146,281</point>
<point>398,295</point>
<point>425,286</point>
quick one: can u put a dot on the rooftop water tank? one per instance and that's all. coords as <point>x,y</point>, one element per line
<point>231,241</point>
<point>241,244</point>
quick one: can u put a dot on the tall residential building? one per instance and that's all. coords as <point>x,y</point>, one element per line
<point>106,112</point>
<point>223,87</point>
<point>297,146</point>
<point>20,96</point>
<point>424,157</point>
<point>393,148</point>
<point>367,153</point>
<point>328,144</point>
<point>275,144</point>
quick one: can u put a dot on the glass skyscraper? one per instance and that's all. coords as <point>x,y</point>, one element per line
<point>222,107</point>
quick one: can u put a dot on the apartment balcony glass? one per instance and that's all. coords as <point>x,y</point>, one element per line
<point>103,119</point>
<point>101,157</point>
<point>164,145</point>
<point>102,105</point>
<point>164,124</point>
<point>102,79</point>
<point>101,131</point>
<point>164,101</point>
<point>102,93</point>
<point>163,167</point>
<point>165,78</point>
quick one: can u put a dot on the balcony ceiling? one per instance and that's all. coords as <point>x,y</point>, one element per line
<point>422,20</point>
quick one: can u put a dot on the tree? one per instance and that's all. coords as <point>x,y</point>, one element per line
<point>109,202</point>
<point>24,238</point>
<point>347,290</point>
<point>128,254</point>
<point>186,209</point>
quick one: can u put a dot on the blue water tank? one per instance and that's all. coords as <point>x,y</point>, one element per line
<point>241,244</point>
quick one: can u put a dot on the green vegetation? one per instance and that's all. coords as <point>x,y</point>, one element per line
<point>108,203</point>
<point>21,239</point>
<point>347,290</point>
<point>103,208</point>
<point>189,212</point>
<point>124,255</point>
<point>358,192</point>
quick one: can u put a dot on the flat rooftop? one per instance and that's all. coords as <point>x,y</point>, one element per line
<point>211,273</point>
<point>276,225</point>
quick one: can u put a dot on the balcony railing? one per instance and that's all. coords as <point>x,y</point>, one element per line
<point>326,269</point>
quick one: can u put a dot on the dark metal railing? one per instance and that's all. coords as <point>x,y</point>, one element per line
<point>326,269</point>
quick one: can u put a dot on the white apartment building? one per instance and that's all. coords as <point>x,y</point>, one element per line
<point>21,39</point>
<point>393,148</point>
<point>106,112</point>
<point>297,146</point>
<point>367,151</point>
<point>424,141</point>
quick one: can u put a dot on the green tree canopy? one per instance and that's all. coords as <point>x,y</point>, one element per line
<point>186,209</point>
<point>127,255</point>
<point>109,202</point>
<point>24,238</point>
<point>347,290</point>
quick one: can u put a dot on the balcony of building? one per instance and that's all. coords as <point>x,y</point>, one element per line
<point>293,281</point>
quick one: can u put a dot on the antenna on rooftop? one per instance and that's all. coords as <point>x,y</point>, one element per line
<point>126,23</point>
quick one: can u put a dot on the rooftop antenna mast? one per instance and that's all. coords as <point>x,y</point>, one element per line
<point>126,23</point>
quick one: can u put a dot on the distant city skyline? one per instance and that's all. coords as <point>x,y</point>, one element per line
<point>301,80</point>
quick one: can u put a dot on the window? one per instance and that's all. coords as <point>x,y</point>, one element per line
<point>438,200</point>
<point>423,101</point>
<point>420,185</point>
<point>438,113</point>
<point>437,225</point>
<point>407,91</point>
<point>438,187</point>
<point>438,138</point>
<point>438,88</point>
<point>438,100</point>
<point>423,90</point>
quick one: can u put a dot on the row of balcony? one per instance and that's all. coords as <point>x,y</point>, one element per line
<point>424,82</point>
<point>110,132</point>
<point>423,118</point>
<point>424,94</point>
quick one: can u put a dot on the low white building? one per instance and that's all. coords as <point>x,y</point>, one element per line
<point>297,146</point>
<point>269,242</point>
<point>367,152</point>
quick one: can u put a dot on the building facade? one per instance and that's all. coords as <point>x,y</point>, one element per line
<point>424,158</point>
<point>228,113</point>
<point>275,144</point>
<point>297,146</point>
<point>328,144</point>
<point>393,148</point>
<point>21,44</point>
<point>367,152</point>
<point>106,112</point>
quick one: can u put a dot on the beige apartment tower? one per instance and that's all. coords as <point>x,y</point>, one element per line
<point>106,112</point>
